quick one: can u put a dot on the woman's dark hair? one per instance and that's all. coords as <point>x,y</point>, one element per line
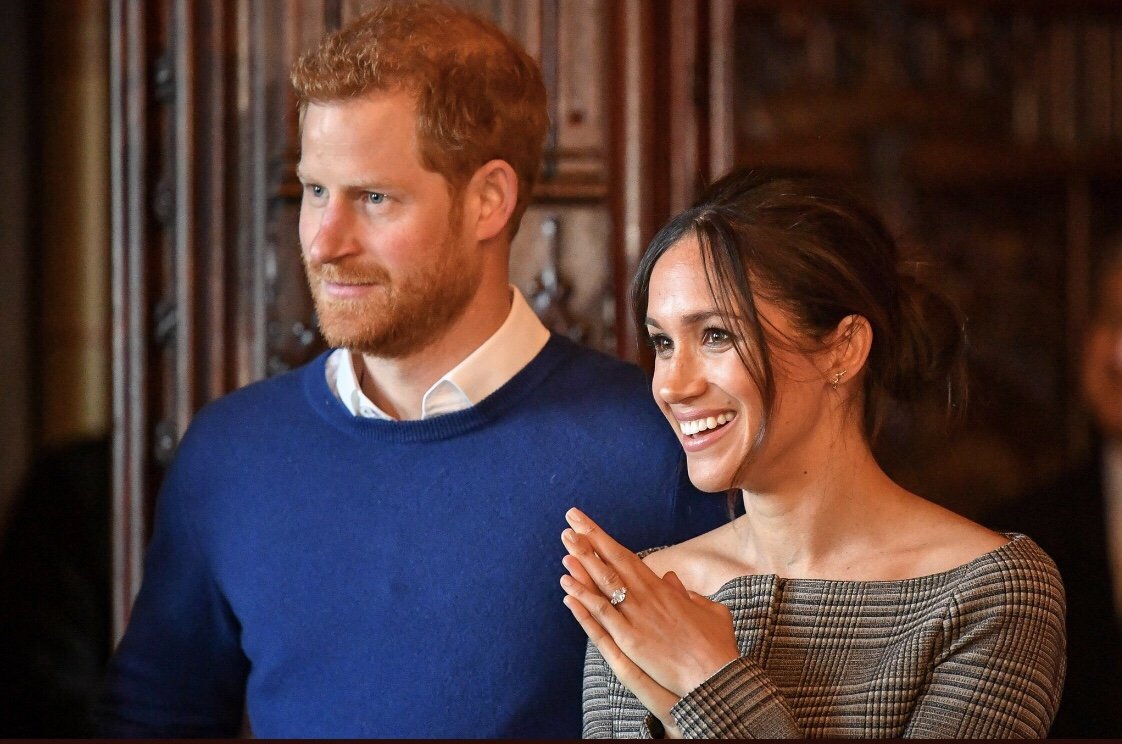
<point>818,251</point>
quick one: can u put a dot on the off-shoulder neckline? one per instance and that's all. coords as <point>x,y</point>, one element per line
<point>1015,538</point>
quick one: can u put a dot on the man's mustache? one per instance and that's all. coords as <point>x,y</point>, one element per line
<point>337,274</point>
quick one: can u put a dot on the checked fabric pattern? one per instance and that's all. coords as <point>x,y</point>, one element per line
<point>974,652</point>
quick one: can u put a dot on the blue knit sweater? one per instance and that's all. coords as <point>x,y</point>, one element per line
<point>352,577</point>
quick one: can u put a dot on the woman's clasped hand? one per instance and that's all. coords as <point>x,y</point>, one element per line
<point>662,640</point>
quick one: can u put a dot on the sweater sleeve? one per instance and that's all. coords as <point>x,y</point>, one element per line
<point>1001,670</point>
<point>179,670</point>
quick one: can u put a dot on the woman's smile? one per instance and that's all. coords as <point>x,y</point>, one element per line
<point>699,430</point>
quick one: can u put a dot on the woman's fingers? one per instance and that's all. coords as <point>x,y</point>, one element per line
<point>614,569</point>
<point>610,550</point>
<point>596,633</point>
<point>603,575</point>
<point>652,695</point>
<point>656,631</point>
<point>573,565</point>
<point>590,598</point>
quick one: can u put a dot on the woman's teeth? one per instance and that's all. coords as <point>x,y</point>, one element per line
<point>690,428</point>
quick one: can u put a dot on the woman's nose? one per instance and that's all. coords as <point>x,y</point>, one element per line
<point>678,379</point>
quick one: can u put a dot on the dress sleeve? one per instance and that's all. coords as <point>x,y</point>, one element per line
<point>738,702</point>
<point>595,699</point>
<point>179,671</point>
<point>1001,668</point>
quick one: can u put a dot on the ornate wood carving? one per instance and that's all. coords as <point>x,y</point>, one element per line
<point>202,134</point>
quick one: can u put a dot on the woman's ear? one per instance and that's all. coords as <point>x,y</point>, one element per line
<point>848,349</point>
<point>494,190</point>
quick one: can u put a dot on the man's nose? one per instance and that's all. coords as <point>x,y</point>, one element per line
<point>335,236</point>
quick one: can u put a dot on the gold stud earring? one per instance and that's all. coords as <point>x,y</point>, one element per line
<point>837,379</point>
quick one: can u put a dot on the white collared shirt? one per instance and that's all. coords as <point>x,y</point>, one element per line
<point>1112,495</point>
<point>517,341</point>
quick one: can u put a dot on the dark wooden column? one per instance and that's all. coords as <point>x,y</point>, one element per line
<point>208,291</point>
<point>128,130</point>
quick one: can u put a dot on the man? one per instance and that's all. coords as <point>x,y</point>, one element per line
<point>1078,521</point>
<point>369,546</point>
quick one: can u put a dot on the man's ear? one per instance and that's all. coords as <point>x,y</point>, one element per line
<point>494,188</point>
<point>848,350</point>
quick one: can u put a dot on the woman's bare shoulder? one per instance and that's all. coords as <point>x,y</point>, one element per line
<point>939,539</point>
<point>702,563</point>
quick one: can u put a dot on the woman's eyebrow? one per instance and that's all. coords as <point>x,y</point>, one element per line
<point>698,317</point>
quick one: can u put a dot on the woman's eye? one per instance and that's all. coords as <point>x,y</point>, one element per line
<point>375,197</point>
<point>716,337</point>
<point>660,343</point>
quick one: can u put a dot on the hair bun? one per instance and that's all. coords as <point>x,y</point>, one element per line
<point>931,348</point>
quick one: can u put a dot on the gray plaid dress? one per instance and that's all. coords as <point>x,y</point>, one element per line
<point>974,652</point>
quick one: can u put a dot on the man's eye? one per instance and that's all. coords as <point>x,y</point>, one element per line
<point>375,197</point>
<point>316,191</point>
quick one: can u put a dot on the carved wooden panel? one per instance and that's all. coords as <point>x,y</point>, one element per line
<point>561,257</point>
<point>202,136</point>
<point>1017,73</point>
<point>561,263</point>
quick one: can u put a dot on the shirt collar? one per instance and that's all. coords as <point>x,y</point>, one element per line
<point>498,359</point>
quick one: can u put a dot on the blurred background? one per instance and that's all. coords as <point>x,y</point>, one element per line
<point>149,259</point>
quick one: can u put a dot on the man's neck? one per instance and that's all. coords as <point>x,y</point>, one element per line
<point>398,385</point>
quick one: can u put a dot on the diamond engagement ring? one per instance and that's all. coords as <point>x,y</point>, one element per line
<point>619,595</point>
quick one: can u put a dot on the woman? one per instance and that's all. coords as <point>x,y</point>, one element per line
<point>838,604</point>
